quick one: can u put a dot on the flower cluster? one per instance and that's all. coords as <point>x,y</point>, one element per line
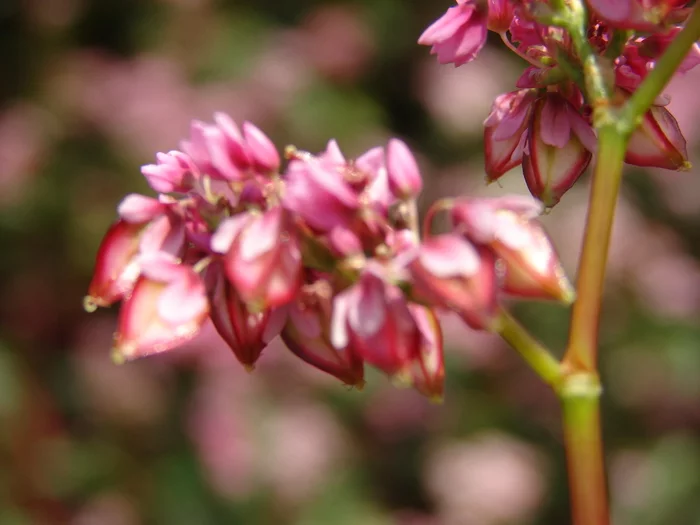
<point>546,124</point>
<point>324,252</point>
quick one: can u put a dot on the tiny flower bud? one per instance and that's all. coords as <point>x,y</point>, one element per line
<point>404,176</point>
<point>246,333</point>
<point>504,131</point>
<point>307,334</point>
<point>530,265</point>
<point>449,272</point>
<point>173,172</point>
<point>658,142</point>
<point>560,142</point>
<point>261,148</point>
<point>372,318</point>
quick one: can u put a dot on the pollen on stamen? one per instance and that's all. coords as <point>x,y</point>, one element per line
<point>89,304</point>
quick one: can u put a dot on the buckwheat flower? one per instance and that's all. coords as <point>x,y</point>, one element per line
<point>262,151</point>
<point>459,34</point>
<point>404,176</point>
<point>372,318</point>
<point>560,146</point>
<point>307,335</point>
<point>146,226</point>
<point>262,257</point>
<point>505,131</point>
<point>173,172</point>
<point>658,141</point>
<point>246,333</point>
<point>530,265</point>
<point>447,271</point>
<point>166,308</point>
<point>317,191</point>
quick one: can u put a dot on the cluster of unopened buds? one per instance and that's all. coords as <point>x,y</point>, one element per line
<point>326,252</point>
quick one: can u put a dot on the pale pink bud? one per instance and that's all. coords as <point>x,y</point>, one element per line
<point>504,131</point>
<point>307,334</point>
<point>264,260</point>
<point>165,309</point>
<point>372,318</point>
<point>459,34</point>
<point>530,264</point>
<point>316,191</point>
<point>139,209</point>
<point>449,272</point>
<point>246,333</point>
<point>261,148</point>
<point>560,142</point>
<point>658,142</point>
<point>404,176</point>
<point>173,172</point>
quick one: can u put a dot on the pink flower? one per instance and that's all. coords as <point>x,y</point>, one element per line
<point>448,271</point>
<point>173,172</point>
<point>560,145</point>
<point>147,226</point>
<point>317,190</point>
<point>501,14</point>
<point>307,335</point>
<point>658,141</point>
<point>504,131</point>
<point>166,308</point>
<point>404,176</point>
<point>246,333</point>
<point>262,257</point>
<point>459,34</point>
<point>531,266</point>
<point>372,318</point>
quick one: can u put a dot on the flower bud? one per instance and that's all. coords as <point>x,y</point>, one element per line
<point>173,172</point>
<point>261,149</point>
<point>560,142</point>
<point>404,176</point>
<point>658,142</point>
<point>307,335</point>
<point>263,261</point>
<point>147,227</point>
<point>165,309</point>
<point>428,368</point>
<point>372,318</point>
<point>504,131</point>
<point>448,271</point>
<point>246,333</point>
<point>530,265</point>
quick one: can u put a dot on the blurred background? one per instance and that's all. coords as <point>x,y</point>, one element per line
<point>91,89</point>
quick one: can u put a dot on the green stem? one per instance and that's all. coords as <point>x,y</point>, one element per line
<point>663,71</point>
<point>580,396</point>
<point>583,337</point>
<point>543,363</point>
<point>574,18</point>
